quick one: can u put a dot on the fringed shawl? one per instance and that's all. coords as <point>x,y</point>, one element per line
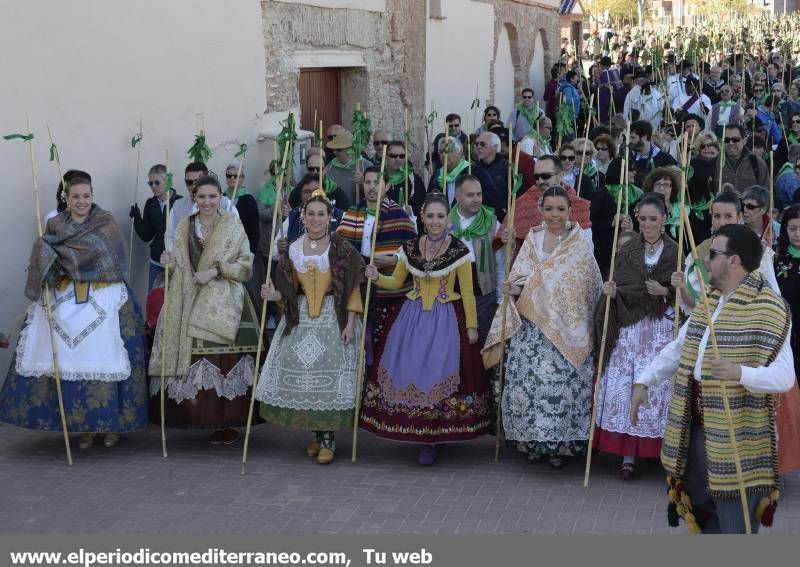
<point>632,302</point>
<point>347,272</point>
<point>91,251</point>
<point>558,295</point>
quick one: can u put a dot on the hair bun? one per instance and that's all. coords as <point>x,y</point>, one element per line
<point>320,194</point>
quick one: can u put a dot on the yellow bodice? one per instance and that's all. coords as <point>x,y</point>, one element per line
<point>316,284</point>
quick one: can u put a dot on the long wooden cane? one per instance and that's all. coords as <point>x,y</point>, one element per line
<point>604,336</point>
<point>321,163</point>
<point>721,161</point>
<point>361,344</point>
<point>48,309</point>
<point>769,233</point>
<point>405,159</point>
<point>263,320</point>
<point>681,203</point>
<point>731,432</point>
<point>137,141</point>
<point>511,206</point>
<point>243,152</point>
<point>164,315</point>
<point>583,151</point>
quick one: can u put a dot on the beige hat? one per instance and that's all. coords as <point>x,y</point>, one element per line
<point>342,140</point>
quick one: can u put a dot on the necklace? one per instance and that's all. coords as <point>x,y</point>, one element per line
<point>651,246</point>
<point>559,237</point>
<point>438,238</point>
<point>313,244</point>
<point>428,258</point>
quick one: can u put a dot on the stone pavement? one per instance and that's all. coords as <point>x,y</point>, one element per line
<point>198,489</point>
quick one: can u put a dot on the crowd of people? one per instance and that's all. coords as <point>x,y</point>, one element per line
<point>485,305</point>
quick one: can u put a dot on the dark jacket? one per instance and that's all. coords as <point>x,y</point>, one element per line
<point>498,171</point>
<point>248,213</point>
<point>152,223</point>
<point>491,196</point>
<point>641,165</point>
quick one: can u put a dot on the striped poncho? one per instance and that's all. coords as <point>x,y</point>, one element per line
<point>394,228</point>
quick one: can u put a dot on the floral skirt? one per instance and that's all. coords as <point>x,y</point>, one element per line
<point>638,344</point>
<point>429,385</point>
<point>547,402</point>
<point>91,406</point>
<point>308,380</point>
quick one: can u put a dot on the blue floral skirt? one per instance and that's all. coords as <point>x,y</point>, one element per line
<point>90,405</point>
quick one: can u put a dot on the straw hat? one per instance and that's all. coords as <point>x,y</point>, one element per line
<point>342,140</point>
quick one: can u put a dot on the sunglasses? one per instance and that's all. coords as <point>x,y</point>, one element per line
<point>527,97</point>
<point>751,206</point>
<point>731,140</point>
<point>712,253</point>
<point>455,125</point>
<point>795,120</point>
<point>601,149</point>
<point>232,176</point>
<point>566,158</point>
<point>544,176</point>
<point>380,143</point>
<point>397,156</point>
<point>758,90</point>
<point>189,182</point>
<point>154,183</point>
<point>312,169</point>
<point>704,146</point>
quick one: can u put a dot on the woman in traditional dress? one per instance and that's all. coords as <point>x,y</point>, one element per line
<point>208,326</point>
<point>547,400</point>
<point>97,328</point>
<point>308,380</point>
<point>640,324</point>
<point>429,385</point>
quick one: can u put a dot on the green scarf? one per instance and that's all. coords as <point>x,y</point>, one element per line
<point>482,222</point>
<point>351,163</point>
<point>372,212</point>
<point>242,191</point>
<point>793,251</point>
<point>267,194</point>
<point>792,137</point>
<point>451,175</point>
<point>634,193</point>
<point>785,168</point>
<point>589,170</point>
<point>398,177</point>
<point>530,114</point>
<point>329,185</point>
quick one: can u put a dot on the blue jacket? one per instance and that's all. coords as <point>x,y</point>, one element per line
<point>767,118</point>
<point>571,96</point>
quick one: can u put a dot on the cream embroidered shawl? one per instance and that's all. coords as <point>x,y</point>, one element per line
<point>210,312</point>
<point>559,295</point>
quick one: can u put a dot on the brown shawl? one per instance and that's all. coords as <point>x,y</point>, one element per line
<point>91,251</point>
<point>347,272</point>
<point>632,302</point>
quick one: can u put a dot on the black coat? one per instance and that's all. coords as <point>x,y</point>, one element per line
<point>152,223</point>
<point>248,213</point>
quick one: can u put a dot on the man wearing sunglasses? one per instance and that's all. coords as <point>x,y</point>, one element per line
<point>453,122</point>
<point>151,225</point>
<point>754,363</point>
<point>487,150</point>
<point>644,156</point>
<point>401,179</point>
<point>741,168</point>
<point>548,172</point>
<point>525,115</point>
<point>725,111</point>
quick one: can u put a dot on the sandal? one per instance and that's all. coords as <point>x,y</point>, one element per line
<point>557,462</point>
<point>626,471</point>
<point>534,458</point>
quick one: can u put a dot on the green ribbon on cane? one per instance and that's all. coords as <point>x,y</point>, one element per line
<point>23,137</point>
<point>633,193</point>
<point>135,140</point>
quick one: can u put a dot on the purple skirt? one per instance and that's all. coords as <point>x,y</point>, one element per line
<point>420,364</point>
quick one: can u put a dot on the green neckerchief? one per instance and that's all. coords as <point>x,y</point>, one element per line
<point>793,251</point>
<point>530,114</point>
<point>759,101</point>
<point>793,138</point>
<point>329,185</point>
<point>786,167</point>
<point>700,267</point>
<point>674,219</point>
<point>451,175</point>
<point>480,225</point>
<point>242,191</point>
<point>267,193</point>
<point>589,170</point>
<point>397,178</point>
<point>351,163</point>
<point>372,212</point>
<point>634,193</point>
<point>730,103</point>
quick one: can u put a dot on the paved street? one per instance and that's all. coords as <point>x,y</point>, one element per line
<point>198,489</point>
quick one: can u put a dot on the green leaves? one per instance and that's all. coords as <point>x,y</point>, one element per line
<point>169,182</point>
<point>632,194</point>
<point>135,140</point>
<point>54,153</point>
<point>516,183</point>
<point>242,150</point>
<point>476,103</point>
<point>287,136</point>
<point>362,131</point>
<point>200,150</point>
<point>23,137</point>
<point>564,120</point>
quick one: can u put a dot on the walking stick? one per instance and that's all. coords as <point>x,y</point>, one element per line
<point>321,161</point>
<point>583,151</point>
<point>405,160</point>
<point>734,443</point>
<point>164,312</point>
<point>721,162</point>
<point>682,201</point>
<point>511,207</point>
<point>241,155</point>
<point>136,142</point>
<point>263,320</point>
<point>361,347</point>
<point>604,336</point>
<point>47,305</point>
<point>768,231</point>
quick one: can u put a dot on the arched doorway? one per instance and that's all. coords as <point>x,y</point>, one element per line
<point>537,74</point>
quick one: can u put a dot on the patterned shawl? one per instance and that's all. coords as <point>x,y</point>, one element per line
<point>558,295</point>
<point>91,251</point>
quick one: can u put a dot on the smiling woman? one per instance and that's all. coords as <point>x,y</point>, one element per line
<point>97,327</point>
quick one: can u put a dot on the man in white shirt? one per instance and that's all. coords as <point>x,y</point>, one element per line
<point>751,327</point>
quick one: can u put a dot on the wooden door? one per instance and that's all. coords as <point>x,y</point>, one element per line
<point>319,91</point>
<point>577,36</point>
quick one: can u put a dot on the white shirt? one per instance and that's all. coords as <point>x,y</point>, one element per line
<point>366,235</point>
<point>773,379</point>
<point>499,255</point>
